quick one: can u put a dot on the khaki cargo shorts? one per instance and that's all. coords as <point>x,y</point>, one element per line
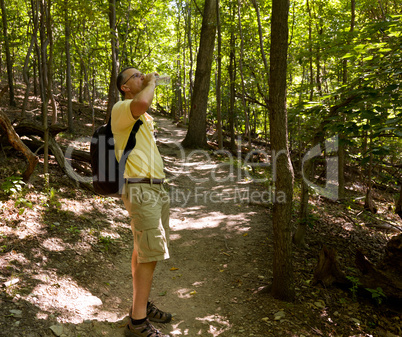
<point>148,206</point>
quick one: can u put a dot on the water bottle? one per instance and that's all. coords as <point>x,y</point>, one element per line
<point>162,80</point>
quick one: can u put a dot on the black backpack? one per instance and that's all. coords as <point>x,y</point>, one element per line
<point>107,172</point>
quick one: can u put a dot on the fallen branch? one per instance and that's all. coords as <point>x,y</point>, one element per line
<point>66,167</point>
<point>374,278</point>
<point>384,222</point>
<point>17,143</point>
<point>79,155</point>
<point>26,128</point>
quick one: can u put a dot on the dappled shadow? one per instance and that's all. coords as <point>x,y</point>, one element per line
<point>69,265</point>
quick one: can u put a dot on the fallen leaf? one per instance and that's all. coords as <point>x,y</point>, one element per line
<point>174,268</point>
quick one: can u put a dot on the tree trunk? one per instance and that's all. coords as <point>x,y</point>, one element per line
<point>68,71</point>
<point>283,279</point>
<point>341,147</point>
<point>25,71</point>
<point>190,46</point>
<point>264,91</point>
<point>245,107</point>
<point>300,233</point>
<point>8,56</point>
<point>196,136</point>
<point>264,59</point>
<point>218,80</point>
<point>310,48</point>
<point>183,89</point>
<point>113,95</point>
<point>318,64</point>
<point>17,144</point>
<point>398,207</point>
<point>43,80</point>
<point>369,202</point>
<point>50,63</point>
<point>232,77</point>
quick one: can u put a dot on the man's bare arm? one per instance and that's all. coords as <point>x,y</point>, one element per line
<point>141,102</point>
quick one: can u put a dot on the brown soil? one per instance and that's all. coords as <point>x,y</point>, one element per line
<point>65,261</point>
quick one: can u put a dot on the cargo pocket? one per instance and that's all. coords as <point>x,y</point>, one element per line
<point>151,245</point>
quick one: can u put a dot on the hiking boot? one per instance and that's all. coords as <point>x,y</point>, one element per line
<point>142,330</point>
<point>154,314</point>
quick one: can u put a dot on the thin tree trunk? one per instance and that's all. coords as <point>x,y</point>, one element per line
<point>341,147</point>
<point>196,136</point>
<point>68,70</point>
<point>261,37</point>
<point>190,46</point>
<point>264,92</point>
<point>184,89</point>
<point>300,233</point>
<point>245,107</point>
<point>43,83</point>
<point>113,95</point>
<point>25,71</point>
<point>93,101</point>
<point>369,203</point>
<point>318,65</point>
<point>8,56</point>
<point>232,77</point>
<point>283,279</point>
<point>35,69</point>
<point>218,80</point>
<point>50,63</point>
<point>398,205</point>
<point>310,48</point>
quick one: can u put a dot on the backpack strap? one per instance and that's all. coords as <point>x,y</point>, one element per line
<point>129,146</point>
<point>131,139</point>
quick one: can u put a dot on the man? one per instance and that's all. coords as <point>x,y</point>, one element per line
<point>144,196</point>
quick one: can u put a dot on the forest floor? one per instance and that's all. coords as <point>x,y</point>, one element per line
<point>65,254</point>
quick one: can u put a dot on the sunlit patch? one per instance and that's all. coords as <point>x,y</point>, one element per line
<point>42,315</point>
<point>198,284</point>
<point>214,325</point>
<point>174,237</point>
<point>63,294</point>
<point>217,324</point>
<point>14,257</point>
<point>177,331</point>
<point>213,220</point>
<point>54,244</point>
<point>76,206</point>
<point>184,293</point>
<point>110,234</point>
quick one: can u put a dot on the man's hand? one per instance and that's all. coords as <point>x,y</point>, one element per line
<point>143,99</point>
<point>149,79</point>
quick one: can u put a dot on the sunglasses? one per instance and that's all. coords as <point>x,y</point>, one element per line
<point>133,75</point>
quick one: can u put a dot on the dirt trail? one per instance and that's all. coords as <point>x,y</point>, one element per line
<point>65,260</point>
<point>71,267</point>
<point>219,244</point>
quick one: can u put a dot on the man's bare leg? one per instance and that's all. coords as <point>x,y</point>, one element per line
<point>142,283</point>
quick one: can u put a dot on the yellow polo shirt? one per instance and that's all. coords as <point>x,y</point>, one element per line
<point>144,160</point>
